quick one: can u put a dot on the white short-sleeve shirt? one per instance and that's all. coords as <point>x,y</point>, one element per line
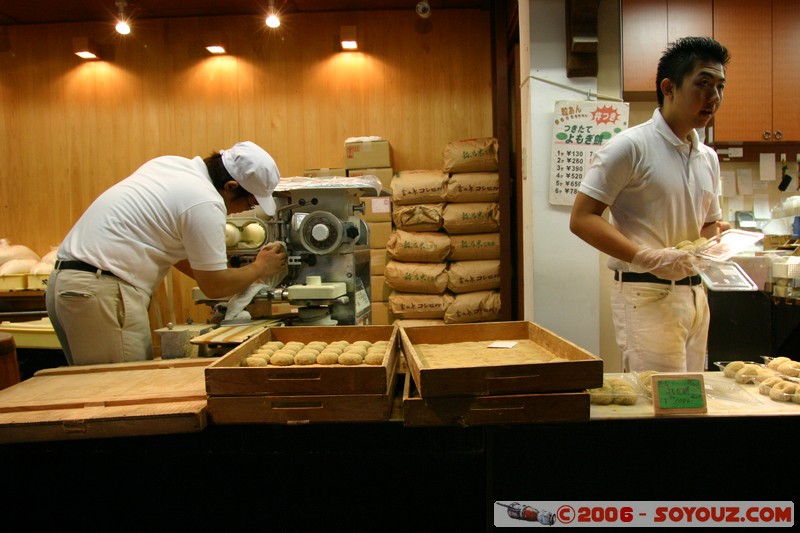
<point>166,211</point>
<point>660,190</point>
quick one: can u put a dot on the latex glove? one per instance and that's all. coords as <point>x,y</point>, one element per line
<point>275,279</point>
<point>237,304</point>
<point>666,263</point>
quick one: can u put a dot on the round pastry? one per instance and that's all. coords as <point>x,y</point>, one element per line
<point>328,358</point>
<point>374,358</point>
<point>776,362</point>
<point>277,345</point>
<point>789,368</point>
<point>350,358</point>
<point>732,367</point>
<point>294,344</point>
<point>358,350</point>
<point>317,345</point>
<point>365,344</point>
<point>253,234</point>
<point>232,235</point>
<point>332,349</point>
<point>624,395</point>
<point>765,386</point>
<point>747,373</point>
<point>255,361</point>
<point>281,359</point>
<point>783,392</point>
<point>305,357</point>
<point>603,395</point>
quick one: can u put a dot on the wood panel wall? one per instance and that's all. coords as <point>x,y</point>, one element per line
<point>69,129</point>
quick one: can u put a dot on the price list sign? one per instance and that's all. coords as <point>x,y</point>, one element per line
<point>579,129</point>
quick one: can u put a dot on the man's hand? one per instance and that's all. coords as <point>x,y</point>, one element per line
<point>271,259</point>
<point>666,263</point>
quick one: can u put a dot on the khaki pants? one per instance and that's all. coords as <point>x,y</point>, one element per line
<point>98,318</point>
<point>661,327</point>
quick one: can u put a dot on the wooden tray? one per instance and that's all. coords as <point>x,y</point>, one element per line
<point>227,377</point>
<point>497,371</point>
<point>127,399</point>
<point>487,410</point>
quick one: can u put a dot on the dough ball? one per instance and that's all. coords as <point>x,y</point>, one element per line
<point>266,351</point>
<point>277,345</point>
<point>783,392</point>
<point>328,358</point>
<point>776,362</point>
<point>341,344</point>
<point>254,360</point>
<point>765,386</point>
<point>232,235</point>
<point>349,358</point>
<point>374,358</point>
<point>624,395</point>
<point>305,357</point>
<point>281,359</point>
<point>365,344</point>
<point>732,367</point>
<point>254,234</point>
<point>358,350</point>
<point>295,344</point>
<point>332,349</point>
<point>789,368</point>
<point>603,395</point>
<point>747,373</point>
<point>317,345</point>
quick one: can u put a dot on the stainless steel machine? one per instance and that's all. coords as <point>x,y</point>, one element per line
<point>327,244</point>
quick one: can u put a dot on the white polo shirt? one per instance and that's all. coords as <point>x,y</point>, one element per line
<point>660,190</point>
<point>166,211</point>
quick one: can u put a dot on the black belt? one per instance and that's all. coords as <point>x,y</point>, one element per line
<point>646,277</point>
<point>80,265</point>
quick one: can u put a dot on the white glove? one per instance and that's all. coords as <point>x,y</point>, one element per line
<point>666,263</point>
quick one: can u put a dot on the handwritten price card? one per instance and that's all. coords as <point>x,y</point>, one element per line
<point>679,394</point>
<point>580,129</point>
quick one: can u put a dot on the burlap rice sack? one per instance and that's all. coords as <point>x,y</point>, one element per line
<point>481,306</point>
<point>474,246</point>
<point>473,187</point>
<point>481,217</point>
<point>418,306</point>
<point>472,276</point>
<point>423,278</point>
<point>419,246</point>
<point>471,155</point>
<point>419,187</point>
<point>421,217</point>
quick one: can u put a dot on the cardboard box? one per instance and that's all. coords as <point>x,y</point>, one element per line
<point>380,290</point>
<point>377,209</point>
<point>367,154</point>
<point>379,233</point>
<point>323,172</point>
<point>384,174</point>
<point>381,315</point>
<point>539,362</point>
<point>377,261</point>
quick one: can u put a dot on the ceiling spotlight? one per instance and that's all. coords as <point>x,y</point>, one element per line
<point>423,9</point>
<point>348,37</point>
<point>272,19</point>
<point>122,26</point>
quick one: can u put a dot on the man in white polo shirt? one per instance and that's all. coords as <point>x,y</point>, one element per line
<point>170,212</point>
<point>661,185</point>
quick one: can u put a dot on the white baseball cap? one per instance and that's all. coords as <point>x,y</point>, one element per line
<point>255,170</point>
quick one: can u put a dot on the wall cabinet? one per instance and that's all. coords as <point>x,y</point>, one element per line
<point>760,100</point>
<point>647,27</point>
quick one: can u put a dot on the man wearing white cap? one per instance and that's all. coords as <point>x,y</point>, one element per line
<point>170,212</point>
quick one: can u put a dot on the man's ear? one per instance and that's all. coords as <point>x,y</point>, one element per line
<point>231,186</point>
<point>667,87</point>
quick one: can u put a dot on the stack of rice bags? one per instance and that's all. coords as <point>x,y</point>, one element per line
<point>444,251</point>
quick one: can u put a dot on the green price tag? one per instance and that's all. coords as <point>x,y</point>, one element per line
<point>681,394</point>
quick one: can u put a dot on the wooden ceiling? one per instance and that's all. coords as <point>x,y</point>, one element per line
<point>16,12</point>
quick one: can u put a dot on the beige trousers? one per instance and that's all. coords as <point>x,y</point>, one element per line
<point>98,318</point>
<point>661,327</point>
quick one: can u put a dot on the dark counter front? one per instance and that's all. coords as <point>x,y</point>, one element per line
<point>386,477</point>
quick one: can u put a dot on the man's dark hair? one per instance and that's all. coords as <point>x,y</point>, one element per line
<point>220,175</point>
<point>681,56</point>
